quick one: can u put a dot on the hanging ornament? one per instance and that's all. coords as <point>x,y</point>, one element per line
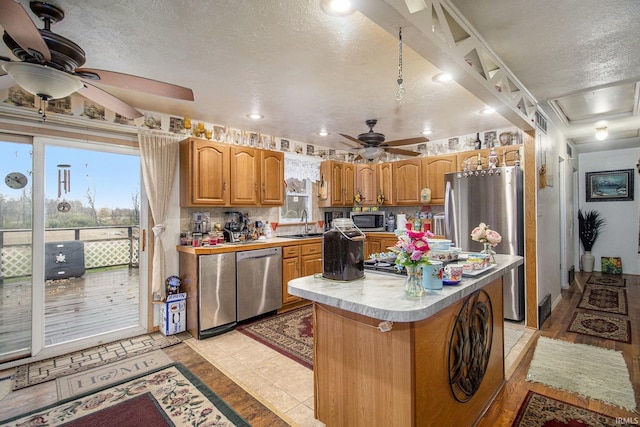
<point>64,179</point>
<point>401,92</point>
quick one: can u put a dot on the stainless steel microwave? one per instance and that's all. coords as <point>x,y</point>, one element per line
<point>369,221</point>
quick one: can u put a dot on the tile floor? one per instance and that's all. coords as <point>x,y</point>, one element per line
<point>281,384</point>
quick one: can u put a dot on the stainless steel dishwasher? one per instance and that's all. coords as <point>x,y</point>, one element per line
<point>216,294</point>
<point>259,282</point>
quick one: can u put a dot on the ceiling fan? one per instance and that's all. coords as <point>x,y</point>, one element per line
<point>49,63</point>
<point>373,143</point>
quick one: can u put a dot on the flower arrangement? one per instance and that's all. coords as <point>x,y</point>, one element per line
<point>482,233</point>
<point>358,197</point>
<point>380,198</point>
<point>412,248</point>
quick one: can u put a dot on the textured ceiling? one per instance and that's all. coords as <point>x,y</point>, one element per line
<point>305,70</point>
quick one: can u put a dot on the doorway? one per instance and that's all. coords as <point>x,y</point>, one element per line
<point>70,255</point>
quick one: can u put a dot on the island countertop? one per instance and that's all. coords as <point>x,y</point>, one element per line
<point>381,296</point>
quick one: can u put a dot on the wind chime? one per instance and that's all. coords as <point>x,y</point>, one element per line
<point>401,92</point>
<point>64,184</point>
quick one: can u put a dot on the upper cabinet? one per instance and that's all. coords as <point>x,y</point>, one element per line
<point>216,174</point>
<point>204,173</point>
<point>433,170</point>
<point>385,182</point>
<point>340,178</point>
<point>366,182</point>
<point>406,182</point>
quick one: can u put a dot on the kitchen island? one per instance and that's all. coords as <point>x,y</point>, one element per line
<point>382,358</point>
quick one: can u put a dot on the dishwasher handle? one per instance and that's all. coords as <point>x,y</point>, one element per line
<point>258,253</point>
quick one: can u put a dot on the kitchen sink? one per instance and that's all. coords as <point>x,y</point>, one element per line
<point>302,236</point>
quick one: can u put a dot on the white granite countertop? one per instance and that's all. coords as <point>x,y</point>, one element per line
<point>381,296</point>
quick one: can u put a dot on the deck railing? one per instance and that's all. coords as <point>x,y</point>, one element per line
<point>103,247</point>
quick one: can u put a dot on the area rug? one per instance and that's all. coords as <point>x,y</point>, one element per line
<point>170,396</point>
<point>290,334</point>
<point>113,373</point>
<point>604,298</point>
<point>593,372</point>
<point>601,326</point>
<point>55,367</point>
<point>606,281</point>
<point>542,411</point>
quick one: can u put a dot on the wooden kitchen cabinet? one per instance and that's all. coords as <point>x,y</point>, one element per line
<point>311,258</point>
<point>365,182</point>
<point>340,177</point>
<point>204,173</point>
<point>406,182</point>
<point>385,182</point>
<point>298,261</point>
<point>272,178</point>
<point>245,175</point>
<point>472,156</point>
<point>378,242</point>
<point>433,169</point>
<point>507,155</point>
<point>290,270</point>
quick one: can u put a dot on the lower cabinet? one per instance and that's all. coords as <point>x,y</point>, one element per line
<point>378,242</point>
<point>299,261</point>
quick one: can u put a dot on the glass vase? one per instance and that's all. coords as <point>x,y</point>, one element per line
<point>488,251</point>
<point>413,283</point>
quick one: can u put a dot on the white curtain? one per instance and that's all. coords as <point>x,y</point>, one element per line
<point>159,153</point>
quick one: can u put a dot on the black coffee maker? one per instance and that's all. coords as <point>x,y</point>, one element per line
<point>329,216</point>
<point>234,227</point>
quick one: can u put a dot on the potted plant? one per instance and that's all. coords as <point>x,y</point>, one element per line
<point>590,223</point>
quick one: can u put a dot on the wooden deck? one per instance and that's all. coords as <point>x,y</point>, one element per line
<point>95,303</point>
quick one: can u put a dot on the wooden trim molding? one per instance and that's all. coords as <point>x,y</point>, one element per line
<point>530,232</point>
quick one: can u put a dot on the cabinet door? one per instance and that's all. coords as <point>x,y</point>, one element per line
<point>366,183</point>
<point>372,246</point>
<point>507,155</point>
<point>204,173</point>
<point>387,242</point>
<point>290,271</point>
<point>245,176</point>
<point>272,174</point>
<point>349,183</point>
<point>406,180</point>
<point>472,158</point>
<point>385,182</point>
<point>336,186</point>
<point>433,169</point>
<point>311,264</point>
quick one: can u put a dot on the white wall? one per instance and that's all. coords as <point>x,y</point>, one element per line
<point>620,235</point>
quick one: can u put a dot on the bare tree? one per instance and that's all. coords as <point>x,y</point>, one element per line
<point>91,199</point>
<point>135,201</point>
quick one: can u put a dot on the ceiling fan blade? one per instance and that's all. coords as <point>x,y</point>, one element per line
<point>408,141</point>
<point>140,84</point>
<point>401,151</point>
<point>17,23</point>
<point>350,138</point>
<point>109,101</point>
<point>6,82</point>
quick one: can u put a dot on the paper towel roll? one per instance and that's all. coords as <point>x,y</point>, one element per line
<point>401,221</point>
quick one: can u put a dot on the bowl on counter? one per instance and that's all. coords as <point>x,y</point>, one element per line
<point>446,255</point>
<point>439,244</point>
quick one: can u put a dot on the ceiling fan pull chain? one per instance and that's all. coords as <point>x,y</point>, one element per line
<point>400,93</point>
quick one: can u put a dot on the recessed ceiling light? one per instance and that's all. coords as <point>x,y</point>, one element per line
<point>602,133</point>
<point>488,110</point>
<point>442,77</point>
<point>255,116</point>
<point>427,132</point>
<point>337,7</point>
<point>323,133</point>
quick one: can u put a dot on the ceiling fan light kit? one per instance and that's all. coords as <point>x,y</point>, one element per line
<point>44,82</point>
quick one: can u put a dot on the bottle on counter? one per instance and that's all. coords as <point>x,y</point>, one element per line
<point>391,223</point>
<point>267,230</point>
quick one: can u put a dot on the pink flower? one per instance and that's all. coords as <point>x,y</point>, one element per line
<point>493,237</point>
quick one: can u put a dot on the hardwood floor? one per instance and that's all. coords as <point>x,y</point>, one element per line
<point>505,408</point>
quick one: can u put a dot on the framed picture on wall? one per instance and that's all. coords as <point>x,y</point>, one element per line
<point>609,186</point>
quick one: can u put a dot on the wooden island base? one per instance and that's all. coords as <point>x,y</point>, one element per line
<point>366,377</point>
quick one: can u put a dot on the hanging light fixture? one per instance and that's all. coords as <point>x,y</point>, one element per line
<point>370,153</point>
<point>602,133</point>
<point>401,92</point>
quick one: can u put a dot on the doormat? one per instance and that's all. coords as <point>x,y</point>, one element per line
<point>112,373</point>
<point>601,326</point>
<point>604,298</point>
<point>55,367</point>
<point>592,372</point>
<point>542,411</point>
<point>290,334</point>
<point>171,395</point>
<point>606,281</point>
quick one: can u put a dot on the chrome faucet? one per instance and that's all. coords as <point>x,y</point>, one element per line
<point>305,219</point>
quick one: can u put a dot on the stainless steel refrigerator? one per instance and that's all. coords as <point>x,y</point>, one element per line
<point>494,197</point>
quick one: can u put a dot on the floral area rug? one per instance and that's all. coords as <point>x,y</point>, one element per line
<point>606,281</point>
<point>56,367</point>
<point>171,395</point>
<point>604,298</point>
<point>290,334</point>
<point>594,372</point>
<point>601,326</point>
<point>542,411</point>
